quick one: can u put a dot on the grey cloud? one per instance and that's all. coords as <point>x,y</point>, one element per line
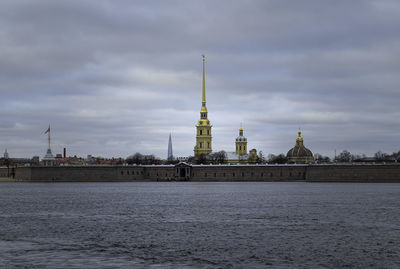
<point>115,77</point>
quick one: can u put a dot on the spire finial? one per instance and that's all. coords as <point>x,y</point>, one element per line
<point>299,139</point>
<point>204,82</point>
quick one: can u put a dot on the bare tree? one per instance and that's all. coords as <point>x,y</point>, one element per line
<point>218,157</point>
<point>344,157</point>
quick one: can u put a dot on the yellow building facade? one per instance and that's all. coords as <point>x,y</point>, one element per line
<point>203,127</point>
<point>241,143</point>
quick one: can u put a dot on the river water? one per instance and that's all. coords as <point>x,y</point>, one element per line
<point>199,225</point>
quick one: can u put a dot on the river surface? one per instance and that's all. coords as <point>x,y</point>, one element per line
<point>199,225</point>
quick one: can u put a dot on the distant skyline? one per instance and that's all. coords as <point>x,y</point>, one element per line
<point>117,77</point>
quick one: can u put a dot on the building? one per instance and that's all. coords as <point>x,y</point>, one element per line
<point>203,127</point>
<point>299,153</point>
<point>170,156</point>
<point>241,155</point>
<point>49,159</point>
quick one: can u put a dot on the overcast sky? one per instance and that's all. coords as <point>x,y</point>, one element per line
<point>116,77</point>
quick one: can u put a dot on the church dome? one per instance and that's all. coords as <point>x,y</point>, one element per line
<point>299,153</point>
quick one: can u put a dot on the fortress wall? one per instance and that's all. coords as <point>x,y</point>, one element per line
<point>159,172</point>
<point>79,173</point>
<point>311,173</point>
<point>72,173</point>
<point>354,173</point>
<point>23,173</point>
<point>4,172</point>
<point>129,173</point>
<point>248,173</point>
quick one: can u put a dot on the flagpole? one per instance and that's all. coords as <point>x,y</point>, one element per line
<point>49,136</point>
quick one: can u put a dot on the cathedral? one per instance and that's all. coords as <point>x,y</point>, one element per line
<point>203,127</point>
<point>204,138</point>
<point>298,154</point>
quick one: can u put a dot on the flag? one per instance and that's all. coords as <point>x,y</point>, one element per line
<point>48,130</point>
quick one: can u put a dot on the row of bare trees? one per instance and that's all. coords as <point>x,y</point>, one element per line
<point>220,157</point>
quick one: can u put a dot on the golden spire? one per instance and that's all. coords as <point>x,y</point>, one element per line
<point>204,82</point>
<point>203,111</point>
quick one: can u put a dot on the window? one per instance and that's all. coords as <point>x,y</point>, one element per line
<point>208,144</point>
<point>262,174</point>
<point>201,132</point>
<point>252,174</point>
<point>242,174</point>
<point>127,172</point>
<point>122,172</point>
<point>215,174</point>
<point>208,132</point>
<point>224,174</point>
<point>201,144</point>
<point>205,174</point>
<point>244,147</point>
<point>233,174</point>
<point>240,147</point>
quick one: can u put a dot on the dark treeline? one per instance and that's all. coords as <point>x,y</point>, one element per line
<point>220,158</point>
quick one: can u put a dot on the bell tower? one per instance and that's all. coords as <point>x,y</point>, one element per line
<point>203,127</point>
<point>241,143</point>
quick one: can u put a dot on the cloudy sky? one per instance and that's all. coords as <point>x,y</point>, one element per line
<point>116,77</point>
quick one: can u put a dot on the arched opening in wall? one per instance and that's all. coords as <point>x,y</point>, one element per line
<point>201,132</point>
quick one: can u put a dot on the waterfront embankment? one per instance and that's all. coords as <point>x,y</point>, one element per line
<point>7,179</point>
<point>188,172</point>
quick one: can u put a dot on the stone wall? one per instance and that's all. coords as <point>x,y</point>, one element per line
<point>312,173</point>
<point>248,173</point>
<point>80,173</point>
<point>354,173</point>
<point>4,172</point>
